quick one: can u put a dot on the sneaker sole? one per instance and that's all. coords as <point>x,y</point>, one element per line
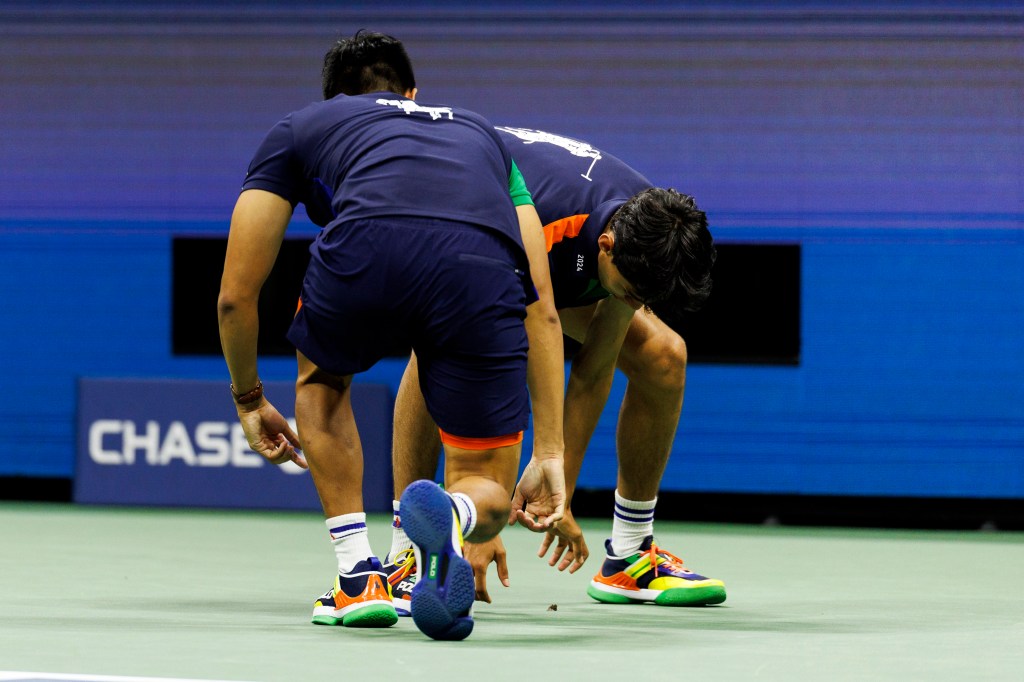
<point>677,596</point>
<point>376,616</point>
<point>370,616</point>
<point>444,591</point>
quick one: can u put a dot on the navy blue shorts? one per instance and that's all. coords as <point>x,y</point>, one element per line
<point>455,293</point>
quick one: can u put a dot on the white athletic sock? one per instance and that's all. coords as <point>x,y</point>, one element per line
<point>350,539</point>
<point>633,521</point>
<point>399,540</point>
<point>466,511</point>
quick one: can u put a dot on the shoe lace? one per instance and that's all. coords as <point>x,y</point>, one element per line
<point>656,555</point>
<point>405,562</point>
<point>405,556</point>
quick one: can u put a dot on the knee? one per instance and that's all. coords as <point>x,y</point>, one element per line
<point>674,360</point>
<point>492,505</point>
<point>493,516</point>
<point>661,363</point>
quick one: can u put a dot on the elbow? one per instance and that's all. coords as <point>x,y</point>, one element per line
<point>543,313</point>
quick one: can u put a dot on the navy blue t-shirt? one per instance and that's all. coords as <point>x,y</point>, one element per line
<point>383,155</point>
<point>576,189</point>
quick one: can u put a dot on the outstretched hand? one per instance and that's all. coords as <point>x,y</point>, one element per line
<point>480,556</point>
<point>571,548</point>
<point>539,499</point>
<point>270,435</point>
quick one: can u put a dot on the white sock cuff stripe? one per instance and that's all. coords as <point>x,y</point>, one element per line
<point>628,516</point>
<point>621,501</point>
<point>346,525</point>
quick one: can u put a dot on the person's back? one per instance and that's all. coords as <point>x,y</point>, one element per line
<point>576,189</point>
<point>383,155</point>
<point>569,177</point>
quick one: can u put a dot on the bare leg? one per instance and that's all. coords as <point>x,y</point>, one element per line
<point>416,444</point>
<point>444,590</point>
<point>323,412</point>
<point>653,358</point>
<point>488,477</point>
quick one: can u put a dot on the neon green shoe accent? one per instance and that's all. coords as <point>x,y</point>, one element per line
<point>373,616</point>
<point>692,596</point>
<point>607,597</point>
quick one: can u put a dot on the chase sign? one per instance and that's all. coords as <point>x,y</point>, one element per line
<point>179,443</point>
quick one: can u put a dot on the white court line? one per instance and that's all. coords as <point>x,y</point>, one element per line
<point>10,676</point>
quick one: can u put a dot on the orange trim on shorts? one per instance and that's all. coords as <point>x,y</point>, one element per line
<point>563,228</point>
<point>298,307</point>
<point>480,443</point>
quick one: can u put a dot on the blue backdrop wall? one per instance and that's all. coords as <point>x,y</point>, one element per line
<point>886,139</point>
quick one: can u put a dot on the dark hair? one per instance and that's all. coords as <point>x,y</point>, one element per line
<point>367,62</point>
<point>664,250</point>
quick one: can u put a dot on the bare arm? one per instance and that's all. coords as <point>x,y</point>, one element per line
<point>546,367</point>
<point>258,225</point>
<point>542,487</point>
<point>590,382</point>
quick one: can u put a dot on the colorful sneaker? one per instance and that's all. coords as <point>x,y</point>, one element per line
<point>359,599</point>
<point>442,598</point>
<point>652,575</point>
<point>402,578</point>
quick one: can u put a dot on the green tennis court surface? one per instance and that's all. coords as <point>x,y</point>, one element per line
<point>88,593</point>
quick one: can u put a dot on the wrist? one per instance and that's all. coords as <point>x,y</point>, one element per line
<point>249,397</point>
<point>548,452</point>
<point>548,455</point>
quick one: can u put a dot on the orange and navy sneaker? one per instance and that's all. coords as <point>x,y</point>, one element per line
<point>652,575</point>
<point>442,599</point>
<point>401,572</point>
<point>359,599</point>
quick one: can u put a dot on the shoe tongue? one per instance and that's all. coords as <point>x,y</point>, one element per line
<point>645,546</point>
